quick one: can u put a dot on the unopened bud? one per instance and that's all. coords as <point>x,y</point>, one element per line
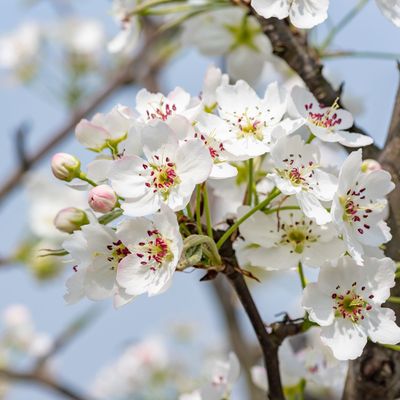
<point>70,219</point>
<point>65,166</point>
<point>370,165</point>
<point>102,198</point>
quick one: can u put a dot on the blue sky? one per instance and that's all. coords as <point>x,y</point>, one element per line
<point>373,81</point>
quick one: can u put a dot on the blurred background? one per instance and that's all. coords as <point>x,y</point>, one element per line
<point>370,85</point>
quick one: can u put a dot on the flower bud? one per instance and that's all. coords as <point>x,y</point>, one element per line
<point>70,219</point>
<point>65,166</point>
<point>370,165</point>
<point>102,198</point>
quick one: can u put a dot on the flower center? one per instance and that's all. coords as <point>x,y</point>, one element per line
<point>155,250</point>
<point>350,304</point>
<point>327,119</point>
<point>298,235</point>
<point>298,173</point>
<point>118,251</point>
<point>163,177</point>
<point>355,213</point>
<point>162,110</point>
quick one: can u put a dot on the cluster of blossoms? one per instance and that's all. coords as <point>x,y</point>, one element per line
<point>142,214</point>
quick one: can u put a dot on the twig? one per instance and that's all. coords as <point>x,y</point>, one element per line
<point>247,355</point>
<point>43,380</point>
<point>268,345</point>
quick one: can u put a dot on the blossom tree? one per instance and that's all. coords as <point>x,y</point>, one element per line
<point>242,183</point>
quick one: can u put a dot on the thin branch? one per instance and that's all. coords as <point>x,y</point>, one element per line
<point>268,345</point>
<point>245,351</point>
<point>268,342</point>
<point>45,381</point>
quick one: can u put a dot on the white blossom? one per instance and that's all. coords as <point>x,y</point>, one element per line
<point>346,302</point>
<point>168,175</point>
<point>358,208</point>
<point>329,124</point>
<point>250,120</point>
<point>139,257</point>
<point>282,239</point>
<point>297,172</point>
<point>156,106</point>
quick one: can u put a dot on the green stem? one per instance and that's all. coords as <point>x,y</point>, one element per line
<point>310,138</point>
<point>275,192</point>
<point>198,210</point>
<point>361,54</point>
<point>207,211</point>
<point>82,176</point>
<point>393,299</point>
<point>111,216</point>
<point>249,196</point>
<point>394,347</point>
<point>301,274</point>
<point>189,211</point>
<point>278,209</point>
<point>342,23</point>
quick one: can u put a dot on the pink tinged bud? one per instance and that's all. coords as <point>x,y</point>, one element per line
<point>102,198</point>
<point>370,165</point>
<point>65,166</point>
<point>70,219</point>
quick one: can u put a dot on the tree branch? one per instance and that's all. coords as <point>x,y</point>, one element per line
<point>43,380</point>
<point>268,342</point>
<point>248,356</point>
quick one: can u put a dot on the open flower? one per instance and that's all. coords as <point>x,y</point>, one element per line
<point>358,208</point>
<point>302,13</point>
<point>282,240</point>
<point>250,119</point>
<point>139,257</point>
<point>232,33</point>
<point>156,106</point>
<point>297,172</point>
<point>329,124</point>
<point>346,301</point>
<point>168,175</point>
<point>105,130</point>
<point>155,247</point>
